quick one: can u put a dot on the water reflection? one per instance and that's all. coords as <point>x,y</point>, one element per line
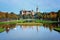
<point>50,26</point>
<point>27,32</point>
<point>8,27</point>
<point>31,27</point>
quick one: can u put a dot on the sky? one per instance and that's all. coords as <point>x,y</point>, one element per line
<point>17,5</point>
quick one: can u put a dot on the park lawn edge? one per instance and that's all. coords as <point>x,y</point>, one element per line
<point>22,21</point>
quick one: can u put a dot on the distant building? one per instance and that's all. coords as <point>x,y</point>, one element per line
<point>25,12</point>
<point>28,13</point>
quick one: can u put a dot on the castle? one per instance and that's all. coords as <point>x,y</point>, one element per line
<point>26,12</point>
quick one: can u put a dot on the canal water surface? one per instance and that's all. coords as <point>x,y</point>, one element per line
<point>29,32</point>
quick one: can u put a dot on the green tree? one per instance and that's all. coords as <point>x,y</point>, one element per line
<point>38,15</point>
<point>58,15</point>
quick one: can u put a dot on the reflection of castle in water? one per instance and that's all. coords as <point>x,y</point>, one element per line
<point>8,27</point>
<point>31,27</point>
<point>49,26</point>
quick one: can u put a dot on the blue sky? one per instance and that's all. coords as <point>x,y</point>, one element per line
<point>17,5</point>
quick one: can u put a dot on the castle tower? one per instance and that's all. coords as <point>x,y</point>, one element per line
<point>37,9</point>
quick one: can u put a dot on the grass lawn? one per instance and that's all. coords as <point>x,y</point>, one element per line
<point>8,22</point>
<point>45,21</point>
<point>1,30</point>
<point>24,21</point>
<point>37,21</point>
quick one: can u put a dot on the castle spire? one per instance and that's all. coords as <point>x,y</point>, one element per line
<point>37,9</point>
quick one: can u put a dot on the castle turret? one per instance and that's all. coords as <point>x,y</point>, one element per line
<point>37,9</point>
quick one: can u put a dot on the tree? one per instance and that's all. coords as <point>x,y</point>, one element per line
<point>58,15</point>
<point>13,16</point>
<point>6,16</point>
<point>38,15</point>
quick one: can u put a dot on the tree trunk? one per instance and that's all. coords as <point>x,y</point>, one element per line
<point>58,19</point>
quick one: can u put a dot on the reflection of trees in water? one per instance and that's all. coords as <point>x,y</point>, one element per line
<point>50,26</point>
<point>11,26</point>
<point>7,27</point>
<point>58,26</point>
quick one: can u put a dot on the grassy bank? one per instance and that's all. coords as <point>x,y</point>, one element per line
<point>57,29</point>
<point>8,22</point>
<point>28,22</point>
<point>36,21</point>
<point>45,21</point>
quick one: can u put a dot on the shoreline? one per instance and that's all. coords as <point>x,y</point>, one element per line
<point>29,23</point>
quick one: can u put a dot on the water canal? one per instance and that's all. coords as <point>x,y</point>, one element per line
<point>29,32</point>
